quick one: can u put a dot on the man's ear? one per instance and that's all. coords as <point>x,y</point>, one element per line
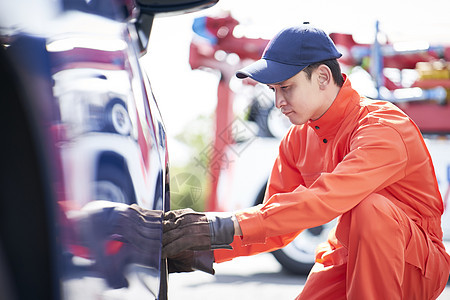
<point>324,76</point>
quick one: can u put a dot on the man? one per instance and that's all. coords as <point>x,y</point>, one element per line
<point>346,156</point>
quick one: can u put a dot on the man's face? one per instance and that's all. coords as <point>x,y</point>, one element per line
<point>299,98</point>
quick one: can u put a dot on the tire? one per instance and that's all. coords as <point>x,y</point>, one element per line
<point>117,119</point>
<point>298,257</point>
<point>114,184</point>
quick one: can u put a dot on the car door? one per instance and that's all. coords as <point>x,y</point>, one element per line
<point>80,127</point>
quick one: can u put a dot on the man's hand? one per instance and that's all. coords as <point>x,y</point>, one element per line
<point>186,229</point>
<point>189,261</point>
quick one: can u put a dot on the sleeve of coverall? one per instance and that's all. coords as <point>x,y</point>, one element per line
<point>377,158</point>
<point>284,178</point>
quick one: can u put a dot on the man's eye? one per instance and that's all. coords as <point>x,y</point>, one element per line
<point>284,87</point>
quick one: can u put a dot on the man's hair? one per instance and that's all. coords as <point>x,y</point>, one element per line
<point>334,67</point>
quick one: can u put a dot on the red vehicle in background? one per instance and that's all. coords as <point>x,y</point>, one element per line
<point>417,79</point>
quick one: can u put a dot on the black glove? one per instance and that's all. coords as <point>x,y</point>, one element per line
<point>189,261</point>
<point>186,229</point>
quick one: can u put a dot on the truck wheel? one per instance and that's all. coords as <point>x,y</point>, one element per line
<point>298,257</point>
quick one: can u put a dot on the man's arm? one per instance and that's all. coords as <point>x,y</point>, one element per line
<point>377,158</point>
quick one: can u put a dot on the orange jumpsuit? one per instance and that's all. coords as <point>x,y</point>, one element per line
<point>365,162</point>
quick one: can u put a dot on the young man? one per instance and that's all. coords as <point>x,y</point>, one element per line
<point>347,157</point>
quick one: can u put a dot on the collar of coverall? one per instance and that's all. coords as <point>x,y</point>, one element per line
<point>345,102</point>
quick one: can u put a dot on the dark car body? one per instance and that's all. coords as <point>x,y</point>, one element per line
<point>79,125</point>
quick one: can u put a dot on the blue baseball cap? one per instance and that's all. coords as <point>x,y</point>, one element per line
<point>289,52</point>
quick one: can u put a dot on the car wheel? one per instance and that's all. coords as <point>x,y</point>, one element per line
<point>298,257</point>
<point>117,118</point>
<point>113,185</point>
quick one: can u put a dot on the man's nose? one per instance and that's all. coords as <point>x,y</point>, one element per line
<point>279,100</point>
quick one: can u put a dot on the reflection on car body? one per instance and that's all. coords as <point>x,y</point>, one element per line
<point>104,111</point>
<point>103,136</point>
<point>108,147</point>
<point>83,142</point>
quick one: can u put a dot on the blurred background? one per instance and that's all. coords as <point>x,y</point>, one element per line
<point>188,96</point>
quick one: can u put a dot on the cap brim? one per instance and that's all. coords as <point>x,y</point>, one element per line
<point>269,71</point>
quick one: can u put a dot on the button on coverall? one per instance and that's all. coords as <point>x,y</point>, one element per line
<point>363,162</point>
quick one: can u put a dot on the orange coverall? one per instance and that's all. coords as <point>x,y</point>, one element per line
<point>365,162</point>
